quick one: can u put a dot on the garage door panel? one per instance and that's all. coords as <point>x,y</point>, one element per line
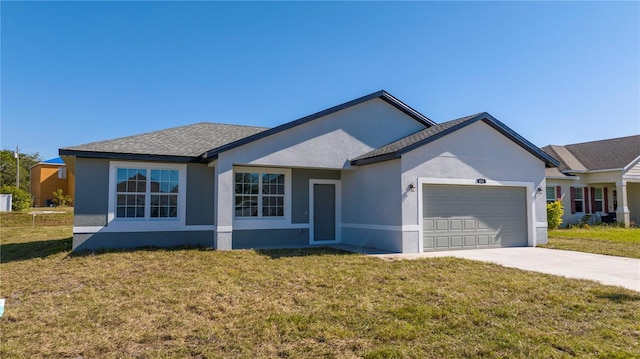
<point>473,217</point>
<point>442,242</point>
<point>469,241</point>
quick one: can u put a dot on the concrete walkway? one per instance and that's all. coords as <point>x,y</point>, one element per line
<point>611,270</point>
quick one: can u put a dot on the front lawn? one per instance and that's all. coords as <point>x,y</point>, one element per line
<point>614,241</point>
<point>295,303</point>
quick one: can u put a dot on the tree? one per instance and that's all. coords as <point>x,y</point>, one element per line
<point>8,168</point>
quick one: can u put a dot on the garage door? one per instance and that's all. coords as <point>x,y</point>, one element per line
<point>465,217</point>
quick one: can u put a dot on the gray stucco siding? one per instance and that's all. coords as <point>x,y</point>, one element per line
<point>270,238</point>
<point>91,201</point>
<point>200,195</point>
<point>388,240</point>
<point>300,191</point>
<point>373,194</point>
<point>104,240</point>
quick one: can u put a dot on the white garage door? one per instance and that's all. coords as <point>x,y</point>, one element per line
<point>465,217</point>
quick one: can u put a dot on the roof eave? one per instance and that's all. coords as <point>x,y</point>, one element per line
<point>375,159</point>
<point>126,156</point>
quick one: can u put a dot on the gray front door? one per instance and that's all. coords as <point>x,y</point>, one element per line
<point>324,212</point>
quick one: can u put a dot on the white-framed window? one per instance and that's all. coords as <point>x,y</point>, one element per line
<point>261,193</point>
<point>598,200</point>
<point>147,192</point>
<point>551,194</point>
<point>62,172</point>
<point>579,199</point>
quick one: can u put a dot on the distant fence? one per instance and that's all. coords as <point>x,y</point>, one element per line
<point>5,202</point>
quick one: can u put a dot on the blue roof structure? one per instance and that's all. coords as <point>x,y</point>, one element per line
<point>54,161</point>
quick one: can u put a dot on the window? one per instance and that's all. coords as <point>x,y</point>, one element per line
<point>551,194</point>
<point>597,200</point>
<point>579,199</point>
<point>62,172</point>
<point>146,193</point>
<point>259,195</point>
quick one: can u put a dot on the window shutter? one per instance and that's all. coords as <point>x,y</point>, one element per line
<point>585,200</point>
<point>558,193</point>
<point>572,192</point>
<point>593,200</point>
<point>605,205</point>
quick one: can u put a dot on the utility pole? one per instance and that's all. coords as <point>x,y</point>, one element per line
<point>17,167</point>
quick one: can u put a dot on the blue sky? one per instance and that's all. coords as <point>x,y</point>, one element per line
<point>555,72</point>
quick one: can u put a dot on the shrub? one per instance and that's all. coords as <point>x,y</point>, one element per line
<point>61,199</point>
<point>554,214</point>
<point>20,198</point>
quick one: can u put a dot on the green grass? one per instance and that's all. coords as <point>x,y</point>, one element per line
<point>615,241</point>
<point>295,303</point>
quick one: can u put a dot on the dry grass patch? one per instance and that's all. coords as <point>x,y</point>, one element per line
<point>624,242</point>
<point>302,303</point>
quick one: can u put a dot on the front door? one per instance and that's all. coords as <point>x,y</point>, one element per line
<point>324,211</point>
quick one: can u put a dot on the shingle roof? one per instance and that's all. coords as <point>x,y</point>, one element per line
<point>420,138</point>
<point>614,153</point>
<point>179,142</point>
<point>567,159</point>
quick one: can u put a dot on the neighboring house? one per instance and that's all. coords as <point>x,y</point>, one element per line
<point>372,172</point>
<point>47,177</point>
<point>599,179</point>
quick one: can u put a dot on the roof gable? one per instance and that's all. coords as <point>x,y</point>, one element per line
<point>383,95</point>
<point>421,138</point>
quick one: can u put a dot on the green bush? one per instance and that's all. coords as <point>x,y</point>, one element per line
<point>61,199</point>
<point>20,198</point>
<point>554,214</point>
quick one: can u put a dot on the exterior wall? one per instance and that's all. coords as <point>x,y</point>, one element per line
<point>605,180</point>
<point>44,181</point>
<point>325,143</point>
<point>270,238</point>
<point>474,152</point>
<point>200,195</point>
<point>92,192</point>
<point>92,229</point>
<point>300,191</point>
<point>371,206</point>
<point>331,141</point>
<point>103,240</point>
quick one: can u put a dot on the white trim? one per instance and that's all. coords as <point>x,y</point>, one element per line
<point>632,164</point>
<point>542,225</point>
<point>382,227</point>
<point>147,224</point>
<point>338,209</point>
<point>267,224</point>
<point>529,187</point>
<point>224,229</point>
<point>118,229</point>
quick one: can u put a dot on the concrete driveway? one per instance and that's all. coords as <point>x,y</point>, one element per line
<point>611,270</point>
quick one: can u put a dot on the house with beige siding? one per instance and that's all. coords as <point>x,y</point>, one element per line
<point>597,181</point>
<point>371,172</point>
